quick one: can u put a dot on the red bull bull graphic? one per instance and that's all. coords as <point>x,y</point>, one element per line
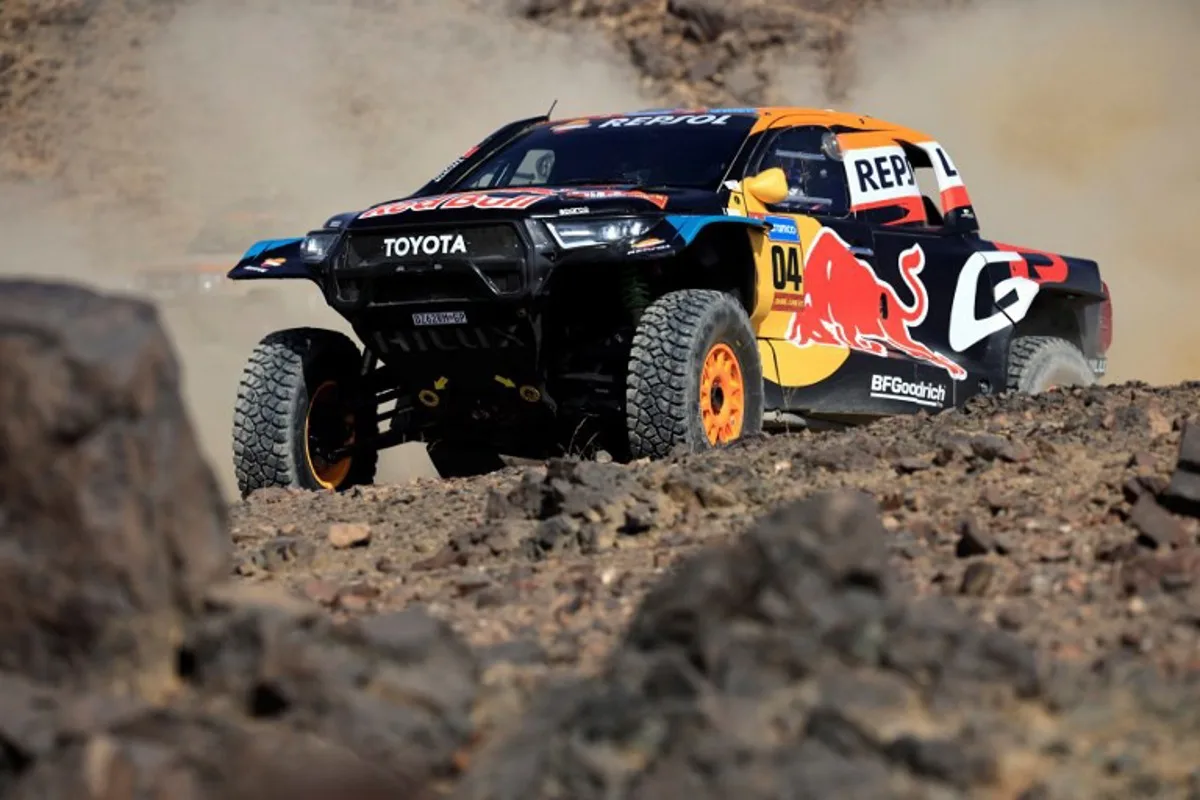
<point>847,305</point>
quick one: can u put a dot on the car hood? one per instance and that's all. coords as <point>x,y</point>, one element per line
<point>553,202</point>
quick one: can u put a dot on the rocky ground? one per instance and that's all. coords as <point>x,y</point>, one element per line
<point>998,602</point>
<point>1037,515</point>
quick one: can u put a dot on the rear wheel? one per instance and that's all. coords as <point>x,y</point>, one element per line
<point>298,406</point>
<point>695,378</point>
<point>1040,363</point>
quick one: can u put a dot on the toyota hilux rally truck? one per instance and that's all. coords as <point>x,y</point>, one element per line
<point>649,281</point>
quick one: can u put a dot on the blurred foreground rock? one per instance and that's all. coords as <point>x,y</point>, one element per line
<point>111,521</point>
<point>788,665</point>
<point>126,669</point>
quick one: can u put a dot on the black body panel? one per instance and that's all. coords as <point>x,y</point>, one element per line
<point>498,302</point>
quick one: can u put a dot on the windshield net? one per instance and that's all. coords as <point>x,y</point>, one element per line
<point>679,150</point>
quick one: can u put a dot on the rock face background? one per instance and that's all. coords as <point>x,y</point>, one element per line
<point>995,602</point>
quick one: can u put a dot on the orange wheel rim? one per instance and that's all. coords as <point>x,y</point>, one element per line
<point>330,475</point>
<point>722,395</point>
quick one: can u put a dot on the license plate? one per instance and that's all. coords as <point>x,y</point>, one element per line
<point>440,318</point>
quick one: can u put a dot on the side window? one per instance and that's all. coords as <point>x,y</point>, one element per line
<point>816,180</point>
<point>534,168</point>
<point>519,169</point>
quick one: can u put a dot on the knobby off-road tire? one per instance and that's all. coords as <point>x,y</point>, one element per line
<point>1039,363</point>
<point>688,343</point>
<point>296,381</point>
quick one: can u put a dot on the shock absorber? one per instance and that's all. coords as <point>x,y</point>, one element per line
<point>635,293</point>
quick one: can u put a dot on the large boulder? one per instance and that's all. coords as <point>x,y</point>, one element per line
<point>111,523</point>
<point>129,666</point>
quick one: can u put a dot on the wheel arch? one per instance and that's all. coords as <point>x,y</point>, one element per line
<point>720,246</point>
<point>1078,318</point>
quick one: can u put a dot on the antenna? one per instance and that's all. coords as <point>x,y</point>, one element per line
<point>552,105</point>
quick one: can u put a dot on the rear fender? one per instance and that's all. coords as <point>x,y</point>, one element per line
<point>1072,301</point>
<point>273,259</point>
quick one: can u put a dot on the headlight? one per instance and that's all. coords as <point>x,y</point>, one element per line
<point>316,246</point>
<point>589,233</point>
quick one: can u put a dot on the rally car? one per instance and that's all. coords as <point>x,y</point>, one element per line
<point>651,281</point>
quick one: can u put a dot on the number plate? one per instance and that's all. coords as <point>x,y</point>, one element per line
<point>440,318</point>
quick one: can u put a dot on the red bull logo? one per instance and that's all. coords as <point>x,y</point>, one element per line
<point>847,305</point>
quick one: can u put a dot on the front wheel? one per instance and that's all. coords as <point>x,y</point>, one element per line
<point>298,410</point>
<point>695,378</point>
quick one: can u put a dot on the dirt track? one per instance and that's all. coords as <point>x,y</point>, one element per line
<point>1018,509</point>
<point>1038,517</point>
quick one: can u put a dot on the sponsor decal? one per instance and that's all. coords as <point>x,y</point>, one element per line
<point>455,163</point>
<point>950,182</point>
<point>787,301</point>
<point>570,212</point>
<point>879,176</point>
<point>573,125</point>
<point>1017,292</point>
<point>847,305</point>
<point>1013,296</point>
<point>440,318</point>
<point>442,244</point>
<point>449,202</point>
<point>921,393</point>
<point>648,246</point>
<point>666,119</point>
<point>510,199</point>
<point>1037,265</point>
<point>659,200</point>
<point>449,168</point>
<point>783,230</point>
<point>274,262</point>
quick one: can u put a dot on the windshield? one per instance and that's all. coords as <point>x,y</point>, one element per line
<point>675,150</point>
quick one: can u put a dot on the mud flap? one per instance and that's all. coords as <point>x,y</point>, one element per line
<point>773,399</point>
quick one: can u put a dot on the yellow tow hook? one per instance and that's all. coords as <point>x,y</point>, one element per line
<point>430,397</point>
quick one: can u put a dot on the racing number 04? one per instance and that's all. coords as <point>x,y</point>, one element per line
<point>785,267</point>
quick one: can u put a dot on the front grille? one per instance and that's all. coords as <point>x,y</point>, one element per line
<point>425,263</point>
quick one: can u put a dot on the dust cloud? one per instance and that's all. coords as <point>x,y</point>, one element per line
<point>1073,122</point>
<point>299,109</point>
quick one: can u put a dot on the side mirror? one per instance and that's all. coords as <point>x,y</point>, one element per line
<point>768,187</point>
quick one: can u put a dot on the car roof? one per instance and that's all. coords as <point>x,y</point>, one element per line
<point>767,116</point>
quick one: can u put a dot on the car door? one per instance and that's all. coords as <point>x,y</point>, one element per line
<point>969,289</point>
<point>869,333</point>
<point>817,201</point>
